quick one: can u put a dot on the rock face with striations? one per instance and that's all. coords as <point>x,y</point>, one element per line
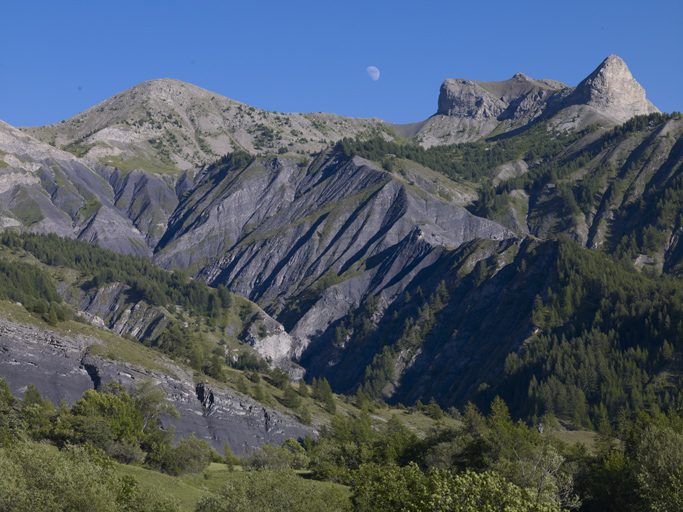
<point>309,243</point>
<point>63,368</point>
<point>46,190</point>
<point>612,91</point>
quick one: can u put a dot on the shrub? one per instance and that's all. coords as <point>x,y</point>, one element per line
<point>265,491</point>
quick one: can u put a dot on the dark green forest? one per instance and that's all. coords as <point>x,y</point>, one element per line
<point>470,161</point>
<point>153,284</point>
<point>606,342</point>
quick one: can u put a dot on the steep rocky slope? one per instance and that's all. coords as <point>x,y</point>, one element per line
<point>47,190</point>
<point>63,365</point>
<point>274,228</point>
<point>616,188</point>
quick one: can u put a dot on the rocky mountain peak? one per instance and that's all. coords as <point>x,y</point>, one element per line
<point>612,91</point>
<point>508,99</point>
<point>467,99</point>
<point>608,94</point>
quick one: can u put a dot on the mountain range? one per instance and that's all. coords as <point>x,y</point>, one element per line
<point>408,261</point>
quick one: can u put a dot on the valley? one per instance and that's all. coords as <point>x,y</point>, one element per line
<point>517,253</point>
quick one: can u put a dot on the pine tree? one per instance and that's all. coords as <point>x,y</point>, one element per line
<point>327,397</point>
<point>51,317</point>
<point>6,393</point>
<point>242,385</point>
<point>290,398</point>
<point>303,389</point>
<point>305,416</point>
<point>433,410</point>
<point>315,386</point>
<point>258,393</point>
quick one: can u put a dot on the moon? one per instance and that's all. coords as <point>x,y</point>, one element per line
<point>373,73</point>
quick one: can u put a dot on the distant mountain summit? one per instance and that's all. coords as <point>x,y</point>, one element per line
<point>168,125</point>
<point>510,99</point>
<point>474,109</point>
<point>612,91</point>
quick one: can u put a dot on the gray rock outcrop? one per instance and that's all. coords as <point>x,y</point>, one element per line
<point>515,98</point>
<point>469,110</point>
<point>62,368</point>
<point>612,91</point>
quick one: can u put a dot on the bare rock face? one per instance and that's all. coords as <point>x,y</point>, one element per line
<point>62,368</point>
<point>510,99</point>
<point>470,110</point>
<point>465,98</point>
<point>46,190</point>
<point>612,91</point>
<point>269,231</point>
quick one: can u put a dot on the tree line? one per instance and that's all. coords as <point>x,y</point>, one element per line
<point>154,285</point>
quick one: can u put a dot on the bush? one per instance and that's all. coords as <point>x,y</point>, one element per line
<point>407,488</point>
<point>192,455</point>
<point>36,478</point>
<point>270,458</point>
<point>265,491</point>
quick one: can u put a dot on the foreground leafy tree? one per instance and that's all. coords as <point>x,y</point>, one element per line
<point>36,478</point>
<point>408,489</point>
<point>538,463</point>
<point>270,458</point>
<point>266,491</point>
<point>192,455</point>
<point>126,426</point>
<point>658,465</point>
<point>150,401</point>
<point>642,470</point>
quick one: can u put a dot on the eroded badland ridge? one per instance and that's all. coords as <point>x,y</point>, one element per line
<point>380,256</point>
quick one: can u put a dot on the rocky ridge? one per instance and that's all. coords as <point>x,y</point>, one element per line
<point>469,110</point>
<point>47,190</point>
<point>612,91</point>
<point>511,99</point>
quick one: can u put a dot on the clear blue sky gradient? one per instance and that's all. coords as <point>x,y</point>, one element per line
<point>60,58</point>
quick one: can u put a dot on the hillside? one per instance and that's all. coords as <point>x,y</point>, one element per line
<point>411,262</point>
<point>167,125</point>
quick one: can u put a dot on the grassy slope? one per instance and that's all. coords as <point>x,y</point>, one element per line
<point>189,488</point>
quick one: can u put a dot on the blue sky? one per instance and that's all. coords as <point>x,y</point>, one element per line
<point>60,58</point>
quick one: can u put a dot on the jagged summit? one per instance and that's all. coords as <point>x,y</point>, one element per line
<point>612,91</point>
<point>508,99</point>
